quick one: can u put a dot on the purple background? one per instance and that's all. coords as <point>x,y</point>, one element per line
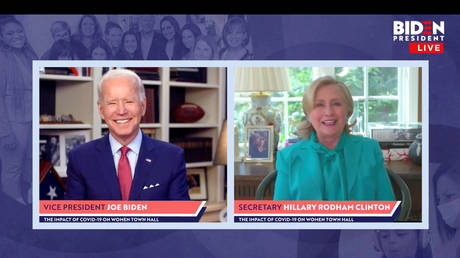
<point>312,37</point>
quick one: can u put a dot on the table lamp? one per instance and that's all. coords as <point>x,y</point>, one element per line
<point>221,151</point>
<point>262,81</point>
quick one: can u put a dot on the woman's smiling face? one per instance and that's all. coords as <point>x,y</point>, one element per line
<point>328,116</point>
<point>12,34</point>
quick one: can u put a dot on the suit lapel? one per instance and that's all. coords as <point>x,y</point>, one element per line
<point>107,166</point>
<point>145,163</point>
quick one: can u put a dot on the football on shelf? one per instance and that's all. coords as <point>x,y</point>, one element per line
<point>188,113</point>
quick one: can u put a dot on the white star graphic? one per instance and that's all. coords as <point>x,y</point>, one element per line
<point>52,193</point>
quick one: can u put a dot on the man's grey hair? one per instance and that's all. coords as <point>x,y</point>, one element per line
<point>116,73</point>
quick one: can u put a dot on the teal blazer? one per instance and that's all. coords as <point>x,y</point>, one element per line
<point>354,170</point>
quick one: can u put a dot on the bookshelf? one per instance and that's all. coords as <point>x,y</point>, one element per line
<point>77,95</point>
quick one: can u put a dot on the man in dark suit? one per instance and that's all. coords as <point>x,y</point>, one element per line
<point>152,43</point>
<point>125,164</point>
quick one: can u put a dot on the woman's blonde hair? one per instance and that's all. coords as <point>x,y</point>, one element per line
<point>305,128</point>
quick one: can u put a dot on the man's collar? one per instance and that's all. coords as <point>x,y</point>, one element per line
<point>134,145</point>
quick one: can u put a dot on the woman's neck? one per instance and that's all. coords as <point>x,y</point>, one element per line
<point>87,41</point>
<point>329,141</point>
<point>235,52</point>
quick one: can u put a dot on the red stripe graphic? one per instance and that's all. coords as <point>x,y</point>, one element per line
<point>119,207</point>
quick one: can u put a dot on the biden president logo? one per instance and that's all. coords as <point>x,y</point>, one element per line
<point>424,37</point>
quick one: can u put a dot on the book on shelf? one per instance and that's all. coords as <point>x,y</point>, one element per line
<point>188,74</point>
<point>47,97</point>
<point>58,70</point>
<point>74,71</point>
<point>85,71</point>
<point>149,116</point>
<point>146,73</point>
<point>196,149</point>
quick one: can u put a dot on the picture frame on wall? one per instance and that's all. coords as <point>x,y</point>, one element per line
<point>55,146</point>
<point>258,143</point>
<point>196,179</point>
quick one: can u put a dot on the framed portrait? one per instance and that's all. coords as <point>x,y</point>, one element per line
<point>55,146</point>
<point>394,134</point>
<point>258,144</point>
<point>196,179</point>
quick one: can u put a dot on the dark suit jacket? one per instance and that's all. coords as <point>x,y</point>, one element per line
<point>156,51</point>
<point>160,172</point>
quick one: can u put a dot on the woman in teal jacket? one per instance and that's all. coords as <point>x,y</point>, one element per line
<point>330,164</point>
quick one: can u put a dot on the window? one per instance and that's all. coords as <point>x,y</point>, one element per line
<point>383,96</point>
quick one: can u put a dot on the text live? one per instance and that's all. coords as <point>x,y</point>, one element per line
<point>426,48</point>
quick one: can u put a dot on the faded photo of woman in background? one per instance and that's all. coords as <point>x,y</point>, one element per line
<point>402,243</point>
<point>189,32</point>
<point>89,32</point>
<point>170,29</point>
<point>15,110</point>
<point>446,228</point>
<point>235,37</point>
<point>100,50</point>
<point>205,48</point>
<point>130,49</point>
<point>330,163</point>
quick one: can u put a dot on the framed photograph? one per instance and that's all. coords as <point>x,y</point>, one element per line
<point>394,134</point>
<point>196,179</point>
<point>151,132</point>
<point>390,138</point>
<point>55,146</point>
<point>258,144</point>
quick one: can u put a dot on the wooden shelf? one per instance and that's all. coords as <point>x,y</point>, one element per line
<point>149,125</point>
<point>199,164</point>
<point>193,85</point>
<point>192,125</point>
<point>65,126</point>
<point>57,77</point>
<point>150,82</point>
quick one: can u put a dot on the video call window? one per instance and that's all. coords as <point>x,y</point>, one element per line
<point>378,96</point>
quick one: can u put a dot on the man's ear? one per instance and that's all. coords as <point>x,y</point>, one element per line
<point>100,109</point>
<point>144,106</point>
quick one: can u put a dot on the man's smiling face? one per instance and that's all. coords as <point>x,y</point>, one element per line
<point>121,108</point>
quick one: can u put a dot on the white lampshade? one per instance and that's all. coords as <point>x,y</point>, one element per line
<point>261,79</point>
<point>221,152</point>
